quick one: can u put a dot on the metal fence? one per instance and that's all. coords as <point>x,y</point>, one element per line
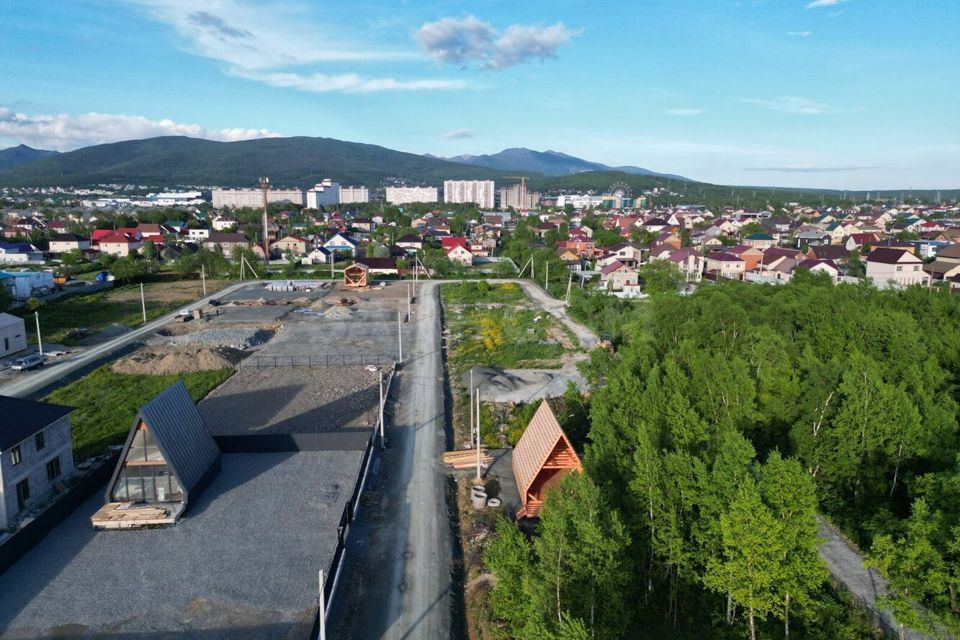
<point>350,510</point>
<point>328,360</point>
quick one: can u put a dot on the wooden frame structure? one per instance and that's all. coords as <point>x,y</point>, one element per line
<point>541,458</point>
<point>356,276</point>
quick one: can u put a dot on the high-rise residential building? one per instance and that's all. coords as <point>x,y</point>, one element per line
<point>234,198</point>
<point>323,194</point>
<point>480,192</point>
<point>409,195</point>
<point>354,195</point>
<point>517,198</point>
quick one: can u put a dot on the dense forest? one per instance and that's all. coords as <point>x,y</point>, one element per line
<point>720,427</point>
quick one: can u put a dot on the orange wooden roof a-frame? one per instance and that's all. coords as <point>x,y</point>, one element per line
<point>542,456</point>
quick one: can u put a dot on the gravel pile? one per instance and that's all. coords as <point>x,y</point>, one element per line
<point>235,338</point>
<point>165,361</point>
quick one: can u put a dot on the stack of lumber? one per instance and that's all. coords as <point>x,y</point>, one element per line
<point>466,458</point>
<point>125,515</point>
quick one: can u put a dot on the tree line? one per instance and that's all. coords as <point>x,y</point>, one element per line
<point>721,425</point>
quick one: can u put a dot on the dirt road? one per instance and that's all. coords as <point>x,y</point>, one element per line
<point>400,556</point>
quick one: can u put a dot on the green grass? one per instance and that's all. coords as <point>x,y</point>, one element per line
<point>61,318</point>
<point>482,292</point>
<point>107,402</point>
<point>505,337</point>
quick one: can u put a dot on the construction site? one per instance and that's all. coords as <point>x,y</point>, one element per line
<point>295,425</point>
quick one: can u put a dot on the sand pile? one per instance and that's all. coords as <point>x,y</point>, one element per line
<point>160,361</point>
<point>338,313</point>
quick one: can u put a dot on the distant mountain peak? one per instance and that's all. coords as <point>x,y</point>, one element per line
<point>22,154</point>
<point>549,163</point>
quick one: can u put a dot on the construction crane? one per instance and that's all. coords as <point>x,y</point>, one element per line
<point>523,190</point>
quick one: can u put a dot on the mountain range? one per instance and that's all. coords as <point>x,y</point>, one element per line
<point>293,162</point>
<point>549,163</point>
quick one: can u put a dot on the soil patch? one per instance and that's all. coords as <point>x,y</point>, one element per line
<point>161,361</point>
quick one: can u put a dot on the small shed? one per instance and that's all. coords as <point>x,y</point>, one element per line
<point>169,457</point>
<point>13,334</point>
<point>541,458</point>
<point>356,276</point>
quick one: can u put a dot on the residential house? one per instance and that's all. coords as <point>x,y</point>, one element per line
<point>626,254</point>
<point>750,254</point>
<point>690,262</point>
<point>198,235</point>
<point>65,242</point>
<point>460,255</point>
<point>821,266</point>
<point>379,266</point>
<point>169,457</point>
<point>410,243</point>
<point>318,255</point>
<point>19,253</point>
<point>226,241</point>
<point>834,253</point>
<point>896,268</point>
<point>341,242</point>
<point>761,241</point>
<point>290,244</point>
<point>725,265</point>
<point>13,335</point>
<point>946,264</point>
<point>36,454</point>
<point>224,223</point>
<point>453,241</point>
<point>669,239</point>
<point>616,276</point>
<point>151,232</point>
<point>119,244</point>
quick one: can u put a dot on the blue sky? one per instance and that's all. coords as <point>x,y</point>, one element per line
<point>857,94</point>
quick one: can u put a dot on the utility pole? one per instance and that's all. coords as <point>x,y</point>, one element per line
<point>322,611</point>
<point>409,299</point>
<point>478,433</point>
<point>400,336</point>
<point>333,259</point>
<point>546,278</point>
<point>381,409</point>
<point>203,277</point>
<point>36,316</point>
<point>143,304</point>
<point>264,188</point>
<point>472,426</point>
<point>569,284</point>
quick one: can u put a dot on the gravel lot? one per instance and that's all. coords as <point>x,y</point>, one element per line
<point>237,338</point>
<point>293,400</point>
<point>243,563</point>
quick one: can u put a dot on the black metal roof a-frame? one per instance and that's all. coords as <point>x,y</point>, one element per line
<point>182,436</point>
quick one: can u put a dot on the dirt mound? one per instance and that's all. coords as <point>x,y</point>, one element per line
<point>162,361</point>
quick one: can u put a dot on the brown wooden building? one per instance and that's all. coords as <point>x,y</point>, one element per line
<point>356,276</point>
<point>541,458</point>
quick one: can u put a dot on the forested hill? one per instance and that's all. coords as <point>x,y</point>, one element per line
<point>291,162</point>
<point>724,421</point>
<point>22,154</point>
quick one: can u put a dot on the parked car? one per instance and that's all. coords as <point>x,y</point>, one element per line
<point>26,363</point>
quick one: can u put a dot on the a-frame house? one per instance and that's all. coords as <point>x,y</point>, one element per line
<point>168,458</point>
<point>541,458</point>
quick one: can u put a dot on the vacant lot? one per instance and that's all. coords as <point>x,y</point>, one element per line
<point>498,326</point>
<point>107,402</point>
<point>70,319</point>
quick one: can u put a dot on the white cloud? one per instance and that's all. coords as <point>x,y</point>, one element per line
<point>816,4</point>
<point>467,40</point>
<point>790,104</point>
<point>799,34</point>
<point>347,82</point>
<point>63,131</point>
<point>456,134</point>
<point>683,111</point>
<point>264,41</point>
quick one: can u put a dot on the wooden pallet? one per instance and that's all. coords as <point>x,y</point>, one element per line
<point>466,458</point>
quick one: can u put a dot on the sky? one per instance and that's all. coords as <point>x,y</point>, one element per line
<point>847,94</point>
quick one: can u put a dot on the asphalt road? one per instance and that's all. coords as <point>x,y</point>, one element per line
<point>29,383</point>
<point>399,580</point>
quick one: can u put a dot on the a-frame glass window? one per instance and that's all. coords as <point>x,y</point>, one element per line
<point>145,476</point>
